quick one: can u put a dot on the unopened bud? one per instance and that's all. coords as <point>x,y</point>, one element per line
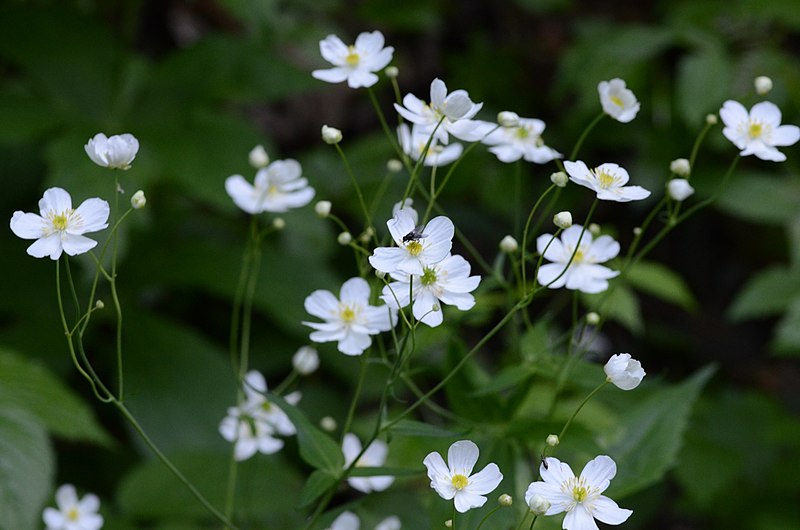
<point>328,424</point>
<point>367,235</point>
<point>138,200</point>
<point>258,157</point>
<point>711,119</point>
<point>637,231</point>
<point>391,72</point>
<point>509,245</point>
<point>99,304</point>
<point>679,189</point>
<point>448,523</point>
<point>594,229</point>
<point>538,504</point>
<point>323,208</point>
<point>436,308</point>
<point>559,178</point>
<point>763,85</point>
<point>393,165</point>
<point>331,135</point>
<point>592,318</point>
<point>508,119</point>
<point>505,500</point>
<point>345,238</point>
<point>278,223</point>
<point>562,219</point>
<point>680,166</point>
<point>380,274</point>
<point>305,360</point>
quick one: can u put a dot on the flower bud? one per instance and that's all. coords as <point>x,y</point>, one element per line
<point>436,308</point>
<point>508,119</point>
<point>763,85</point>
<point>592,318</point>
<point>328,424</point>
<point>331,135</point>
<point>99,304</point>
<point>305,360</point>
<point>393,165</point>
<point>679,189</point>
<point>559,178</point>
<point>278,223</point>
<point>380,274</point>
<point>508,245</point>
<point>505,500</point>
<point>538,504</point>
<point>258,157</point>
<point>448,523</point>
<point>552,440</point>
<point>367,235</point>
<point>637,231</point>
<point>138,200</point>
<point>623,371</point>
<point>323,208</point>
<point>680,166</point>
<point>594,229</point>
<point>391,72</point>
<point>562,219</point>
<point>345,238</point>
<point>711,119</point>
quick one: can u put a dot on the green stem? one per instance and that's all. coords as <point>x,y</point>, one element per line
<point>577,410</point>
<point>364,209</point>
<point>584,134</point>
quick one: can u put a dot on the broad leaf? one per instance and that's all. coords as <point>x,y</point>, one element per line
<point>767,293</point>
<point>657,280</point>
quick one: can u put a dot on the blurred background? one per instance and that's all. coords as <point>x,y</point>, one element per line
<point>200,83</point>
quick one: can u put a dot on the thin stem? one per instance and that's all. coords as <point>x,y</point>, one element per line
<point>359,385</point>
<point>364,209</point>
<point>584,134</point>
<point>577,410</point>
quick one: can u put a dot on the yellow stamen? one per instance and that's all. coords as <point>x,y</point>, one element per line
<point>522,133</point>
<point>414,248</point>
<point>579,492</point>
<point>60,221</point>
<point>352,58</point>
<point>755,130</point>
<point>578,256</point>
<point>73,514</point>
<point>605,180</point>
<point>459,482</point>
<point>428,276</point>
<point>616,101</point>
<point>347,315</point>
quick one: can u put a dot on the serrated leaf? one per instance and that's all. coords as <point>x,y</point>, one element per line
<point>316,448</point>
<point>317,484</point>
<point>658,280</point>
<point>26,470</point>
<point>768,292</point>
<point>649,436</point>
<point>32,388</point>
<point>419,429</point>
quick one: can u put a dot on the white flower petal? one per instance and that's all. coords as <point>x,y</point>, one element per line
<point>462,456</point>
<point>28,225</point>
<point>607,511</point>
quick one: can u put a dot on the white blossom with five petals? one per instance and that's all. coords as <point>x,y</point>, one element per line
<point>607,180</point>
<point>73,513</point>
<point>759,131</point>
<point>355,63</point>
<point>576,260</point>
<point>618,101</point>
<point>414,140</point>
<point>521,140</point>
<point>115,152</point>
<point>455,480</point>
<point>416,248</point>
<point>277,188</point>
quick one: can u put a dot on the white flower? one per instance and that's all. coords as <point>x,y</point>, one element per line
<point>681,167</point>
<point>355,63</point>
<point>414,140</point>
<point>374,456</point>
<point>349,320</point>
<point>763,85</point>
<point>277,188</point>
<point>679,189</point>
<point>581,497</point>
<point>759,131</point>
<point>454,110</point>
<point>416,247</point>
<point>58,227</point>
<point>562,219</point>
<point>583,273</point>
<point>408,206</point>
<point>331,135</point>
<point>447,281</point>
<point>623,371</point>
<point>607,180</point>
<point>523,140</point>
<point>116,152</point>
<point>455,480</point>
<point>305,360</point>
<point>73,513</point>
<point>350,521</point>
<point>617,101</point>
<point>258,157</point>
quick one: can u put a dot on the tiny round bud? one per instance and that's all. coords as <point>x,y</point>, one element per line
<point>592,318</point>
<point>99,304</point>
<point>448,523</point>
<point>278,223</point>
<point>680,166</point>
<point>367,235</point>
<point>436,308</point>
<point>538,504</point>
<point>763,85</point>
<point>328,424</point>
<point>345,238</point>
<point>258,157</point>
<point>562,219</point>
<point>505,500</point>
<point>305,360</point>
<point>391,72</point>
<point>323,208</point>
<point>559,178</point>
<point>331,135</point>
<point>711,119</point>
<point>637,231</point>
<point>552,440</point>
<point>679,189</point>
<point>393,165</point>
<point>594,229</point>
<point>509,245</point>
<point>380,274</point>
<point>138,200</point>
<point>508,119</point>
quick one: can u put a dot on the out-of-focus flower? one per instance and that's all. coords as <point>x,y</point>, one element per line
<point>523,140</point>
<point>356,63</point>
<point>623,371</point>
<point>507,118</point>
<point>58,228</point>
<point>115,152</point>
<point>679,189</point>
<point>618,102</point>
<point>344,238</point>
<point>414,141</point>
<point>374,456</point>
<point>607,180</point>
<point>759,131</point>
<point>416,247</point>
<point>584,272</point>
<point>455,480</point>
<point>73,513</point>
<point>350,521</point>
<point>712,119</point>
<point>392,72</point>
<point>278,187</point>
<point>508,245</point>
<point>349,320</point>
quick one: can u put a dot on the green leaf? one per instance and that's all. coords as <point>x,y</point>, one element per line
<point>619,304</point>
<point>761,197</point>
<point>317,484</point>
<point>316,448</point>
<point>767,293</point>
<point>384,471</point>
<point>507,378</point>
<point>26,470</point>
<point>646,441</point>
<point>658,280</point>
<point>787,333</point>
<point>419,429</point>
<point>31,387</point>
<point>703,83</point>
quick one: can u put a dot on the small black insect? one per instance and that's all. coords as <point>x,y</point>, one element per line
<point>544,462</point>
<point>414,234</point>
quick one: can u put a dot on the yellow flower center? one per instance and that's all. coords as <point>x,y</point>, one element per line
<point>522,133</point>
<point>352,58</point>
<point>60,221</point>
<point>606,180</point>
<point>266,406</point>
<point>616,101</point>
<point>578,256</point>
<point>755,130</point>
<point>579,492</point>
<point>428,276</point>
<point>272,190</point>
<point>347,315</point>
<point>414,248</point>
<point>72,514</point>
<point>459,481</point>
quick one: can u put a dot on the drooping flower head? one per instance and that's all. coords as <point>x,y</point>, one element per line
<point>607,180</point>
<point>354,63</point>
<point>414,140</point>
<point>58,228</point>
<point>523,139</point>
<point>277,188</point>
<point>349,319</point>
<point>759,131</point>
<point>454,480</point>
<point>116,152</point>
<point>374,456</point>
<point>73,513</point>
<point>581,497</point>
<point>618,102</point>
<point>416,246</point>
<point>623,371</point>
<point>447,282</point>
<point>584,272</point>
